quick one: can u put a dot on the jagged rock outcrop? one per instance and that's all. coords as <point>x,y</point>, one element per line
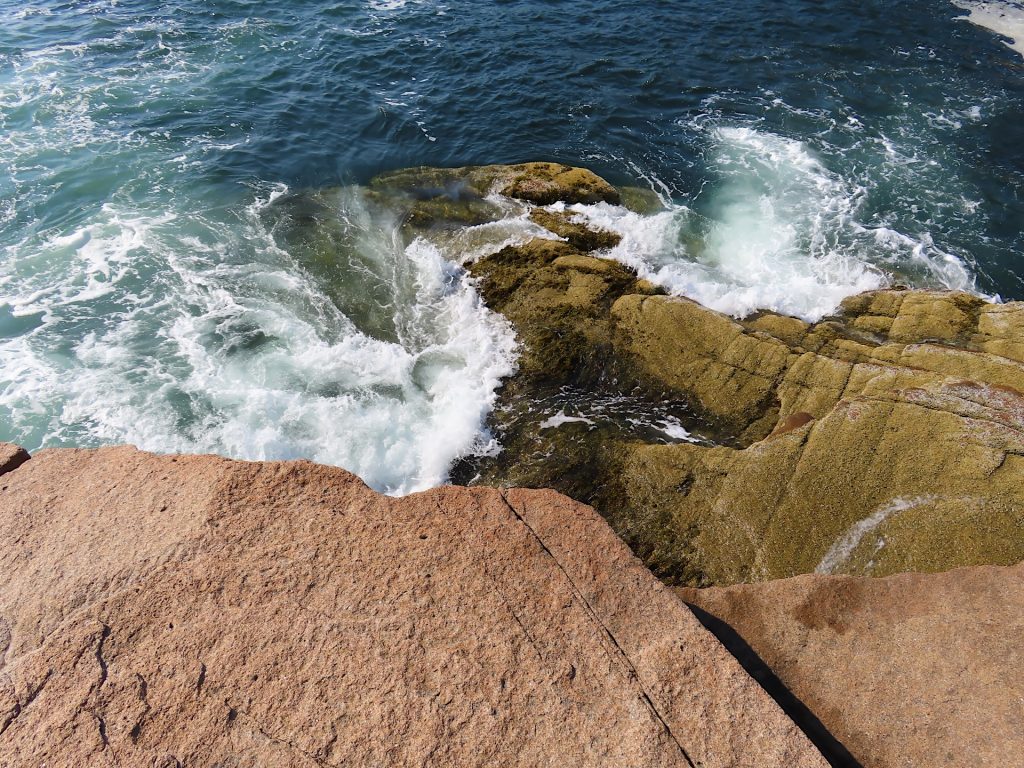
<point>887,438</point>
<point>906,671</point>
<point>196,611</point>
<point>425,197</point>
<point>11,457</point>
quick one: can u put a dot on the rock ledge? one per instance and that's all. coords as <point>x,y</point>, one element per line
<point>196,611</point>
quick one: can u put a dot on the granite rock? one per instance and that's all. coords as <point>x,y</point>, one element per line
<point>196,611</point>
<point>906,671</point>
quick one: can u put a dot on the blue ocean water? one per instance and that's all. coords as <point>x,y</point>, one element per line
<point>805,150</point>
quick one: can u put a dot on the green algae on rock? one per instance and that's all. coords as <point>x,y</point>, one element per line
<point>887,438</point>
<point>431,197</point>
<point>579,236</point>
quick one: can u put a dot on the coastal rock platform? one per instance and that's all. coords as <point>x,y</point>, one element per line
<point>196,611</point>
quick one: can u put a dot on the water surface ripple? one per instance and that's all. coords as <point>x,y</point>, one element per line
<point>152,290</point>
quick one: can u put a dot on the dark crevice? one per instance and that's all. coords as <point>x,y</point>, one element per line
<point>102,725</point>
<point>99,655</point>
<point>201,679</point>
<point>830,747</point>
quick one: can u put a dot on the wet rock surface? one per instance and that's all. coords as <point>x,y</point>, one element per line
<point>448,197</point>
<point>887,438</point>
<point>907,670</point>
<point>196,611</point>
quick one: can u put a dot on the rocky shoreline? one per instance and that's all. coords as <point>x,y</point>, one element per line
<point>887,438</point>
<point>191,610</point>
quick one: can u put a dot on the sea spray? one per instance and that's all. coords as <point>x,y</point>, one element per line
<point>780,231</point>
<point>254,357</point>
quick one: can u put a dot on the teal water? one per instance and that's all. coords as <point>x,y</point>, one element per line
<point>148,293</point>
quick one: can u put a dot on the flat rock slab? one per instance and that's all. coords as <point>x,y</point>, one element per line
<point>195,611</point>
<point>907,671</point>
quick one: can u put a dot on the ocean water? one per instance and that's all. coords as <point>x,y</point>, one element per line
<point>151,293</point>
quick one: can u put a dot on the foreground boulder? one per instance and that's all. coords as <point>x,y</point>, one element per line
<point>195,611</point>
<point>910,670</point>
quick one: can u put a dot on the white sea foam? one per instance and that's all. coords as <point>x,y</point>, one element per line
<point>782,235</point>
<point>512,227</point>
<point>153,320</point>
<point>672,427</point>
<point>1004,18</point>
<point>250,358</point>
<point>560,418</point>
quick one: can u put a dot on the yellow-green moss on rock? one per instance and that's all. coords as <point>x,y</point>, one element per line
<point>887,438</point>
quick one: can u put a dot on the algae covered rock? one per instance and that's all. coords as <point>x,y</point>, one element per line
<point>909,459</point>
<point>539,183</point>
<point>578,235</point>
<point>445,197</point>
<point>888,437</point>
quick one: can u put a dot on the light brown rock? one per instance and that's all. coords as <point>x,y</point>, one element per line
<point>195,611</point>
<point>888,438</point>
<point>883,456</point>
<point>11,457</point>
<point>907,671</point>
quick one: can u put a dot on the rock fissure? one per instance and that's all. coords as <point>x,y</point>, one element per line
<point>104,635</point>
<point>632,674</point>
<point>101,727</point>
<point>234,714</point>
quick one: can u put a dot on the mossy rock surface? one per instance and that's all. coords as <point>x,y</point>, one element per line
<point>540,183</point>
<point>579,235</point>
<point>887,438</point>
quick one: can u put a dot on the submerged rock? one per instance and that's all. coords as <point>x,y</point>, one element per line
<point>427,198</point>
<point>190,610</point>
<point>909,670</point>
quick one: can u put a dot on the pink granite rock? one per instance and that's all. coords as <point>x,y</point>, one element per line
<point>195,611</point>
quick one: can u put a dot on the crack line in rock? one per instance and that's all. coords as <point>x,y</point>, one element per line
<point>594,616</point>
<point>279,740</point>
<point>504,598</point>
<point>99,655</point>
